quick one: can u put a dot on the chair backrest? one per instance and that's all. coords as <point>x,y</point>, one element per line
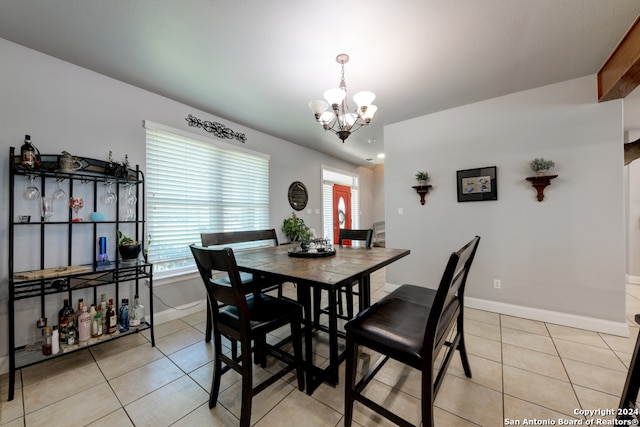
<point>230,237</point>
<point>448,302</point>
<point>364,235</point>
<point>232,292</point>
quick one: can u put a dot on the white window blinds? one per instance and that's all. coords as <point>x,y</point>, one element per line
<point>197,185</point>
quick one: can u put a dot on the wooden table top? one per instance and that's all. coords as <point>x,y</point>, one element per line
<point>347,265</point>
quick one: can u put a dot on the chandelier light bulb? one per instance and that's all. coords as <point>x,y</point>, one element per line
<point>335,96</point>
<point>318,107</point>
<point>364,98</point>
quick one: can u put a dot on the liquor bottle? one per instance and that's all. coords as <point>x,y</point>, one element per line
<point>123,316</point>
<point>84,325</point>
<point>96,322</point>
<point>112,319</point>
<point>72,332</point>
<point>134,313</point>
<point>46,341</point>
<point>103,312</point>
<point>28,153</point>
<point>63,319</point>
<point>78,312</point>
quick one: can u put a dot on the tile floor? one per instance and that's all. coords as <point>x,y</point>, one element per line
<point>522,369</point>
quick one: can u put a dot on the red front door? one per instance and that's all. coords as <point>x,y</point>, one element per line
<point>341,211</point>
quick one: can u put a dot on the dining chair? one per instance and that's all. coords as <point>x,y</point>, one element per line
<point>363,235</point>
<point>249,237</point>
<point>243,318</point>
<point>411,325</point>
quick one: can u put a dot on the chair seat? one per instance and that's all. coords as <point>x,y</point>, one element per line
<point>266,313</point>
<point>380,326</point>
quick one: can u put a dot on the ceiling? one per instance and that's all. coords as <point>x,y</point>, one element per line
<point>259,62</point>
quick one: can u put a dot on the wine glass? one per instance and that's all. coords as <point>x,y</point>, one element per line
<point>32,192</point>
<point>47,207</point>
<point>109,197</point>
<point>76,204</point>
<point>59,194</point>
<point>129,197</point>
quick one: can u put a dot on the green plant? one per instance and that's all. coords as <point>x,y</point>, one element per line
<point>422,176</point>
<point>295,228</point>
<point>540,164</point>
<point>124,240</point>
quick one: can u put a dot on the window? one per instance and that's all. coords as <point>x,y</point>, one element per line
<point>197,184</point>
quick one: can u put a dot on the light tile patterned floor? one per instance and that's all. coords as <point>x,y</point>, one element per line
<point>522,369</point>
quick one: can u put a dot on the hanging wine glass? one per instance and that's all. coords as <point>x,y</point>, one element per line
<point>130,198</point>
<point>32,192</point>
<point>59,194</point>
<point>109,197</point>
<point>76,204</point>
<point>47,207</point>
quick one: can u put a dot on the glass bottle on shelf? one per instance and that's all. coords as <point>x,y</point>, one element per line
<point>46,341</point>
<point>78,312</point>
<point>84,325</point>
<point>112,318</point>
<point>28,153</point>
<point>103,312</point>
<point>123,316</point>
<point>63,319</point>
<point>72,332</point>
<point>134,313</point>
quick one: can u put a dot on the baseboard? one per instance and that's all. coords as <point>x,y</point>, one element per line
<point>632,280</point>
<point>548,316</point>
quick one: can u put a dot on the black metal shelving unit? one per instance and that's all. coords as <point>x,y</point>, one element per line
<point>92,276</point>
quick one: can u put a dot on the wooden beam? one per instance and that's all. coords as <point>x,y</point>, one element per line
<point>621,73</point>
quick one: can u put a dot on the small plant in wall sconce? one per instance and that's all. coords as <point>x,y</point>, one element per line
<point>540,166</point>
<point>422,177</point>
<point>422,188</point>
<point>542,179</point>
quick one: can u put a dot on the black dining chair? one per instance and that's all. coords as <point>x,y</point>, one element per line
<point>224,239</point>
<point>363,235</point>
<point>411,325</point>
<point>244,318</point>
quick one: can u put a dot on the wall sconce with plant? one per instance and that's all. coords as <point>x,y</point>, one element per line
<point>422,188</point>
<point>542,179</point>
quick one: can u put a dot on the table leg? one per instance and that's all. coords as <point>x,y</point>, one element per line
<point>304,298</point>
<point>334,361</point>
<point>364,284</point>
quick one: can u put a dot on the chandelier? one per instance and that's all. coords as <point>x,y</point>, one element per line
<point>338,119</point>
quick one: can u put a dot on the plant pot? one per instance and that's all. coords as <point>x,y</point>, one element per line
<point>129,252</point>
<point>542,172</point>
<point>422,182</point>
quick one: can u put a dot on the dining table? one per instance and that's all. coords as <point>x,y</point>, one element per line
<point>341,268</point>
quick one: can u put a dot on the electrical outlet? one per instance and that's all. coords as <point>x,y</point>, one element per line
<point>497,284</point>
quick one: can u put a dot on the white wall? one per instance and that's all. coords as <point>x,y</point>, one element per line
<point>562,259</point>
<point>633,215</point>
<point>65,107</point>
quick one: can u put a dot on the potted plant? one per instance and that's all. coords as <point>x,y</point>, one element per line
<point>128,248</point>
<point>540,166</point>
<point>422,177</point>
<point>295,228</point>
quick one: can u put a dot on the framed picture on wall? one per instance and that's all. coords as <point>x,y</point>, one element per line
<point>477,185</point>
